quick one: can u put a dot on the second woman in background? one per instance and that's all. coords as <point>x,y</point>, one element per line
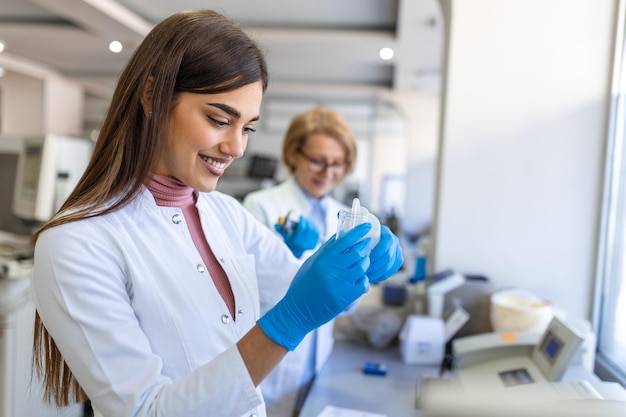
<point>319,150</point>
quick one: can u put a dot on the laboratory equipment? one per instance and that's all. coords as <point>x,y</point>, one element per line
<point>49,167</point>
<point>439,397</point>
<point>517,310</point>
<point>287,222</point>
<point>439,288</point>
<point>262,166</point>
<point>375,368</point>
<point>448,290</point>
<point>356,216</point>
<point>422,340</point>
<point>15,256</point>
<point>421,260</point>
<point>521,374</point>
<point>503,358</point>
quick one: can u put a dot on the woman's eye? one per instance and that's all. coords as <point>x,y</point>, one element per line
<point>217,122</point>
<point>249,129</point>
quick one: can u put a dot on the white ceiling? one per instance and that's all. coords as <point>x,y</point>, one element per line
<point>312,46</point>
<point>320,42</point>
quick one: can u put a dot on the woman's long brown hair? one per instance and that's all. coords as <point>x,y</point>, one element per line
<point>199,51</point>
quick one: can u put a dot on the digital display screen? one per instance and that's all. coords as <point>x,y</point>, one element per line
<point>515,377</point>
<point>262,167</point>
<point>551,346</point>
<point>30,173</point>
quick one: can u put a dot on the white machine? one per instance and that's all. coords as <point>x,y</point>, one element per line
<point>522,374</point>
<point>49,168</point>
<point>423,338</point>
<point>508,359</point>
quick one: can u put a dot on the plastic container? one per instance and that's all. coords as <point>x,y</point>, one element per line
<point>348,220</point>
<point>421,262</point>
<point>515,310</point>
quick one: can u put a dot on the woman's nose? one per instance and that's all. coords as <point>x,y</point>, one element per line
<point>235,145</point>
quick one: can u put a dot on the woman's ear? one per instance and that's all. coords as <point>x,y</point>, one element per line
<point>146,95</point>
<point>290,158</point>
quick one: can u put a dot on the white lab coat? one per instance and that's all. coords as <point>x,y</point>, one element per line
<point>137,317</point>
<point>280,388</point>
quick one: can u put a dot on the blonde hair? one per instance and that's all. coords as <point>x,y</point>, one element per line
<point>323,121</point>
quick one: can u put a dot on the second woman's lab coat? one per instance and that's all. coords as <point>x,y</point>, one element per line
<point>280,388</point>
<point>135,314</point>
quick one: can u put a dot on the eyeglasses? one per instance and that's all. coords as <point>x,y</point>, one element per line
<point>317,166</point>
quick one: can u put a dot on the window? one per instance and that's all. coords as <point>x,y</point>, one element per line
<point>610,297</point>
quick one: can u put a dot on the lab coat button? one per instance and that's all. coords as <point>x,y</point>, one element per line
<point>239,312</point>
<point>252,415</point>
<point>201,268</point>
<point>177,219</point>
<point>225,319</point>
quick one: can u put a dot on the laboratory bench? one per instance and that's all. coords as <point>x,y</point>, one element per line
<point>342,382</point>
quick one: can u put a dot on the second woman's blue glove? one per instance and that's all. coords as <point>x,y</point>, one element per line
<point>304,237</point>
<point>386,257</point>
<point>325,285</point>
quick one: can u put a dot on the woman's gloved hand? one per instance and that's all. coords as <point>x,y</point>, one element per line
<point>324,286</point>
<point>304,237</point>
<point>386,257</point>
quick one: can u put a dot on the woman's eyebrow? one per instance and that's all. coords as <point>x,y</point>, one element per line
<point>230,110</point>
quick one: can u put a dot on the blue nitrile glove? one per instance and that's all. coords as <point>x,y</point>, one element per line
<point>305,236</point>
<point>386,258</point>
<point>324,286</point>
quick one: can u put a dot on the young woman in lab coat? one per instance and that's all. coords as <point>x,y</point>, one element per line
<point>319,150</point>
<point>146,282</point>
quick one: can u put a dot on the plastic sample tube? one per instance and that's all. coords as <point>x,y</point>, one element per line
<point>357,215</point>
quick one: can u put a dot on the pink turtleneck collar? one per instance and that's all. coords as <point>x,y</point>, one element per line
<point>170,192</point>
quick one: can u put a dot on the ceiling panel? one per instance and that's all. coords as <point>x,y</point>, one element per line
<point>321,45</point>
<point>344,14</point>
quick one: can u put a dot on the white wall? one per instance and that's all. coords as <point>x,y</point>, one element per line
<point>31,105</point>
<point>21,104</point>
<point>64,103</point>
<point>525,109</point>
<point>421,112</point>
<point>388,158</point>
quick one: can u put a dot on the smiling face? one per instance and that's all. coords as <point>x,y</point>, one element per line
<point>319,164</point>
<point>206,133</point>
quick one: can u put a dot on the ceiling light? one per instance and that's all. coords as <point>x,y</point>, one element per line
<point>386,53</point>
<point>115,46</point>
<point>1,46</point>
